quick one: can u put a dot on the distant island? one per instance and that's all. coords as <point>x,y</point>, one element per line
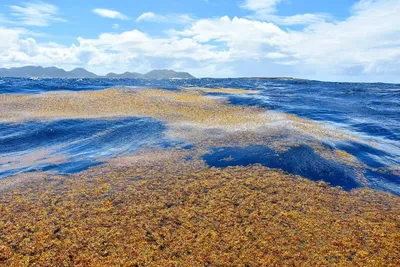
<point>53,72</point>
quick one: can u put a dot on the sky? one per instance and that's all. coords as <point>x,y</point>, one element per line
<point>341,40</point>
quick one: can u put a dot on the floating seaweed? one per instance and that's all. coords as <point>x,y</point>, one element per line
<point>168,207</point>
<point>158,209</point>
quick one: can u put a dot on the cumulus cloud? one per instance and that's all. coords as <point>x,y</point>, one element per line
<point>35,14</point>
<point>136,43</point>
<point>111,14</point>
<point>241,38</point>
<point>29,47</point>
<point>369,40</point>
<point>8,37</point>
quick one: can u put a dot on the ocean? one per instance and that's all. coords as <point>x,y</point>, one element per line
<point>370,111</point>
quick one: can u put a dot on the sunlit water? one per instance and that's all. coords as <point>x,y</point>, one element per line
<point>372,111</point>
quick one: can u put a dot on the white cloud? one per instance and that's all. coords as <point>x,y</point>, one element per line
<point>266,10</point>
<point>242,36</point>
<point>173,18</point>
<point>136,43</point>
<point>18,49</point>
<point>299,19</point>
<point>368,41</point>
<point>261,6</point>
<point>146,16</point>
<point>29,47</point>
<point>8,37</point>
<point>108,13</point>
<point>36,14</point>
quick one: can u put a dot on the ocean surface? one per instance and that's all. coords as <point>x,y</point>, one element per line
<point>370,110</point>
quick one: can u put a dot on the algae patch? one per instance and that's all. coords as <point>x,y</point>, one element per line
<point>158,209</point>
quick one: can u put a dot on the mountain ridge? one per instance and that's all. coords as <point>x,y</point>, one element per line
<point>54,72</point>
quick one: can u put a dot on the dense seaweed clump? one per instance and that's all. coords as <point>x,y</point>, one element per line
<point>161,209</point>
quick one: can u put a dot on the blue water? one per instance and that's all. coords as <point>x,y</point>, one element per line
<point>301,160</point>
<point>371,110</point>
<point>81,143</point>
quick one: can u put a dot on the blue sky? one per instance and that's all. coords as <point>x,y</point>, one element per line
<point>347,40</point>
